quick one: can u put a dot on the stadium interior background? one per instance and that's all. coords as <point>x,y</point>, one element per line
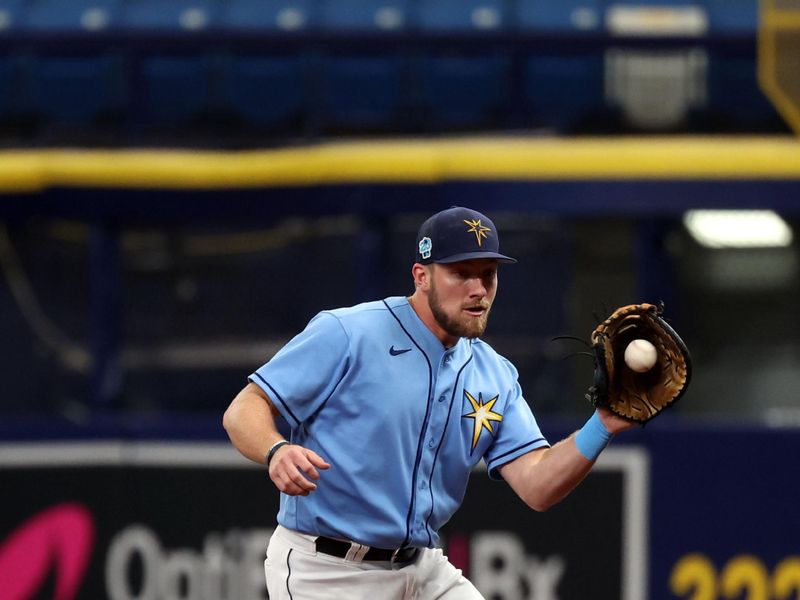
<point>137,309</point>
<point>193,303</point>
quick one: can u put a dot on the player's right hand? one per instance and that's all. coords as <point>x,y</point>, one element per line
<point>293,468</point>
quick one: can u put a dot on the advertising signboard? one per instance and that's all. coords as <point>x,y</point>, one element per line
<point>145,521</point>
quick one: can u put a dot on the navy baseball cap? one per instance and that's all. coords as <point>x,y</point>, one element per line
<point>457,234</point>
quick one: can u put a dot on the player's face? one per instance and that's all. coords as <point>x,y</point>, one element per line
<point>461,295</point>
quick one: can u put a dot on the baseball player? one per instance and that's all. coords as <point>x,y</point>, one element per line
<point>391,404</point>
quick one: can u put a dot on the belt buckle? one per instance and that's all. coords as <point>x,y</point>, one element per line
<point>409,556</point>
<point>401,562</point>
<point>396,566</point>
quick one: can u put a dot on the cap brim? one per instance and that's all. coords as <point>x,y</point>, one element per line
<point>475,255</point>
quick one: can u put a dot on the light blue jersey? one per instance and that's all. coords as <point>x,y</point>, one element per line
<point>401,420</point>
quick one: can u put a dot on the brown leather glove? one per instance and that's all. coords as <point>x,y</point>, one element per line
<point>638,396</point>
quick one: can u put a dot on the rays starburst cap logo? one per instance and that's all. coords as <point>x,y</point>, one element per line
<point>481,231</point>
<point>457,234</point>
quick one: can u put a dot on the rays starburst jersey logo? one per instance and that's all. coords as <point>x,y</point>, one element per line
<point>478,228</point>
<point>482,416</point>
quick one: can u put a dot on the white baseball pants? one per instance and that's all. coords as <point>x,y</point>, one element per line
<point>296,571</point>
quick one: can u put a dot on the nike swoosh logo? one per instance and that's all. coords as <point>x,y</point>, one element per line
<point>394,352</point>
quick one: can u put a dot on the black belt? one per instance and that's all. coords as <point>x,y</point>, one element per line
<point>341,549</point>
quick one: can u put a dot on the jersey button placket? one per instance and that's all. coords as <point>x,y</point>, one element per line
<point>443,386</point>
<point>423,495</point>
<point>423,505</point>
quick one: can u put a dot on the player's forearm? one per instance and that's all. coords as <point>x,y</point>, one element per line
<point>250,424</point>
<point>545,477</point>
<point>559,472</point>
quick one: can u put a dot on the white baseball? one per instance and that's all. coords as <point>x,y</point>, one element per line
<point>640,356</point>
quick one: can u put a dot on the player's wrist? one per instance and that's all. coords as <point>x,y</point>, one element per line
<point>593,437</point>
<point>273,449</point>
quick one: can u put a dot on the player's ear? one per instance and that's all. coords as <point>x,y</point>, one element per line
<point>421,275</point>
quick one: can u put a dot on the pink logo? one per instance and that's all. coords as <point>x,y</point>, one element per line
<point>62,536</point>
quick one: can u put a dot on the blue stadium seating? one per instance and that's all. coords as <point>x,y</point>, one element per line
<point>11,14</point>
<point>380,85</point>
<point>175,90</point>
<point>76,90</point>
<point>462,15</point>
<point>381,15</point>
<point>732,16</point>
<point>276,15</point>
<point>265,91</point>
<point>561,91</point>
<point>573,16</point>
<point>176,15</point>
<point>465,91</point>
<point>456,90</point>
<point>9,86</point>
<point>83,15</point>
<point>363,91</point>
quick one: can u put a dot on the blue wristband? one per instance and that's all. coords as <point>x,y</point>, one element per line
<point>592,437</point>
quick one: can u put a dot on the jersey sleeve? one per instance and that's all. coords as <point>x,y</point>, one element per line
<point>518,434</point>
<point>304,373</point>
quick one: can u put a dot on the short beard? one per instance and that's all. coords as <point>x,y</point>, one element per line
<point>470,328</point>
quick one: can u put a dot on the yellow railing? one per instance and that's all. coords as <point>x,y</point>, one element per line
<point>407,161</point>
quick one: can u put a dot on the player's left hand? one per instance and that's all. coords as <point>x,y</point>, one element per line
<point>614,423</point>
<point>635,395</point>
<point>293,468</point>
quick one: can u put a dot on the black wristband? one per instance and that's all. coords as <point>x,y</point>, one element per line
<point>274,448</point>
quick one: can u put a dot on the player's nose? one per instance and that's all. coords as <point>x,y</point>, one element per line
<point>477,288</point>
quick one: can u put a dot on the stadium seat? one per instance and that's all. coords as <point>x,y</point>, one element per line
<point>363,91</point>
<point>562,91</point>
<point>77,90</point>
<point>465,91</point>
<point>265,91</point>
<point>276,15</point>
<point>463,15</point>
<point>185,15</point>
<point>456,90</point>
<point>9,86</point>
<point>11,14</point>
<point>732,16</point>
<point>381,15</point>
<point>359,92</point>
<point>84,15</point>
<point>572,16</point>
<point>175,90</point>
